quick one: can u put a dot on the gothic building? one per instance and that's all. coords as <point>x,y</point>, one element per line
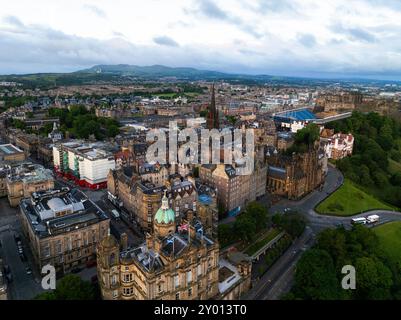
<point>213,115</point>
<point>294,176</point>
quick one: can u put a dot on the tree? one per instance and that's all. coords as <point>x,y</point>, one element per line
<point>225,233</point>
<point>70,287</point>
<point>245,228</point>
<point>315,277</point>
<point>373,279</point>
<point>258,213</point>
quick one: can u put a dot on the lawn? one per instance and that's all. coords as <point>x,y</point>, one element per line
<point>349,200</point>
<point>269,236</point>
<point>390,239</point>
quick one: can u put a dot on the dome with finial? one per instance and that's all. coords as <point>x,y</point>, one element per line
<point>165,214</point>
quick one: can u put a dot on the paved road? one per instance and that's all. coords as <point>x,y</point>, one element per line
<point>278,279</point>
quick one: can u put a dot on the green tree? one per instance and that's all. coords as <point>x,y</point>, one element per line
<point>70,287</point>
<point>315,277</point>
<point>373,279</point>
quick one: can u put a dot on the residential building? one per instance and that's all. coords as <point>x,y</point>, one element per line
<point>63,228</point>
<point>337,146</point>
<point>24,179</point>
<point>141,198</point>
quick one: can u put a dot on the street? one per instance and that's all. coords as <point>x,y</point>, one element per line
<point>278,279</point>
<point>23,286</point>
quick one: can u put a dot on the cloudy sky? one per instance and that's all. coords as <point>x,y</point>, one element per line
<point>281,37</point>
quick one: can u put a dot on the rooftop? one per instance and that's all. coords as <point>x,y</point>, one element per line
<point>29,173</point>
<point>295,115</point>
<point>59,211</point>
<point>8,149</point>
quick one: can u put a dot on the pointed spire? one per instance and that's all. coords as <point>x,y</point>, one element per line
<point>165,205</point>
<point>213,116</point>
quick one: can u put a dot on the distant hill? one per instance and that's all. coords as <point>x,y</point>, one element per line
<point>124,73</point>
<point>154,71</point>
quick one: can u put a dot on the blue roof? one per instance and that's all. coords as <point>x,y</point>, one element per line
<point>296,115</point>
<point>205,199</point>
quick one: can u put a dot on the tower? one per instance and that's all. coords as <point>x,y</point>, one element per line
<point>164,222</point>
<point>213,115</point>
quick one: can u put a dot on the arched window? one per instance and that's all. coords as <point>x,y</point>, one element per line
<point>112,259</point>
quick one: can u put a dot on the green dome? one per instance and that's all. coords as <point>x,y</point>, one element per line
<point>165,214</point>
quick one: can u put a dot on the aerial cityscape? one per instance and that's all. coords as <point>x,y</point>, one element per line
<point>232,150</point>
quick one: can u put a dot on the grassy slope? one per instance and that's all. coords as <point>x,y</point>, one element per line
<point>350,200</point>
<point>271,234</point>
<point>390,239</point>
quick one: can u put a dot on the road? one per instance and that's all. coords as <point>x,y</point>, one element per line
<point>23,286</point>
<point>278,280</point>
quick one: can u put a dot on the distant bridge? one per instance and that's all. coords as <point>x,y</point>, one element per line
<point>333,118</point>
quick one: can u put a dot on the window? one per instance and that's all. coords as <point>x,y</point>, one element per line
<point>177,296</point>
<point>58,247</point>
<point>176,281</point>
<point>199,270</point>
<point>113,280</point>
<point>159,288</point>
<point>46,251</point>
<point>189,276</point>
<point>128,291</point>
<point>115,294</point>
<point>127,277</point>
<point>190,292</point>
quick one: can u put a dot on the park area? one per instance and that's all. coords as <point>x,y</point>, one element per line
<point>350,200</point>
<point>390,239</point>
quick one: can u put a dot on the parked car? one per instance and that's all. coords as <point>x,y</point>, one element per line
<point>28,270</point>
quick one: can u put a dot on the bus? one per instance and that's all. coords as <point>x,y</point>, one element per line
<point>359,221</point>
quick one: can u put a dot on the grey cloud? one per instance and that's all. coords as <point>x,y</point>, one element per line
<point>307,40</point>
<point>12,21</point>
<point>354,33</point>
<point>165,41</point>
<point>96,10</point>
<point>211,10</point>
<point>265,6</point>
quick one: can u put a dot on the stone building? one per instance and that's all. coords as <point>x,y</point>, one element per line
<point>63,228</point>
<point>294,176</point>
<point>337,146</point>
<point>170,265</point>
<point>28,143</point>
<point>235,191</point>
<point>10,153</point>
<point>24,179</point>
<point>141,198</point>
<point>339,101</point>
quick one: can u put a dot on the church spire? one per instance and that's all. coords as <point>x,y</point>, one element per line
<point>213,115</point>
